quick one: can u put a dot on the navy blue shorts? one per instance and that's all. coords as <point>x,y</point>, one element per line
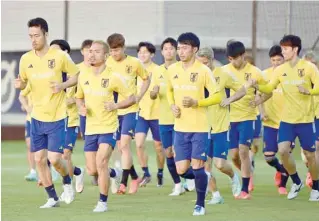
<point>142,126</point>
<point>82,126</point>
<point>48,135</point>
<point>127,125</point>
<point>304,131</point>
<point>317,129</point>
<point>167,135</point>
<point>257,127</point>
<point>219,144</point>
<point>70,137</point>
<point>241,133</point>
<point>92,142</point>
<point>27,132</point>
<point>189,146</point>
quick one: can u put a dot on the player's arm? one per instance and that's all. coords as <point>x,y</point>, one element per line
<point>171,100</point>
<point>155,86</point>
<point>314,77</point>
<point>24,99</point>
<point>79,100</point>
<point>143,74</point>
<point>71,97</point>
<point>21,81</point>
<point>266,88</point>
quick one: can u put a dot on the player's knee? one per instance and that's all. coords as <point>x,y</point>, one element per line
<point>243,153</point>
<point>269,157</point>
<point>40,160</point>
<point>283,151</point>
<point>66,155</point>
<point>219,164</point>
<point>101,164</point>
<point>91,171</point>
<point>309,155</point>
<point>169,152</point>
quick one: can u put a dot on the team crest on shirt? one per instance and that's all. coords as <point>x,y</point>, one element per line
<point>51,63</point>
<point>128,69</point>
<point>217,79</point>
<point>247,76</point>
<point>301,72</point>
<point>104,82</point>
<point>193,77</point>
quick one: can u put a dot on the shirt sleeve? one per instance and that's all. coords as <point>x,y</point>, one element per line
<point>170,90</point>
<point>69,66</point>
<point>141,71</point>
<point>231,83</point>
<point>22,69</point>
<point>314,77</point>
<point>79,91</point>
<point>119,86</point>
<point>26,91</point>
<point>268,88</point>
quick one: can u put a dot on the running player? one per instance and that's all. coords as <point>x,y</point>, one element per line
<point>242,116</point>
<point>296,75</point>
<point>42,69</point>
<point>219,126</point>
<point>148,118</point>
<point>72,125</point>
<point>166,118</point>
<point>95,101</point>
<point>129,68</point>
<point>271,121</point>
<point>185,93</point>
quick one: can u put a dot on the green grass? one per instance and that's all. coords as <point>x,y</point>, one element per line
<point>21,199</point>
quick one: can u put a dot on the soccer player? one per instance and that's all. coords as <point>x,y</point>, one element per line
<point>311,56</point>
<point>271,120</point>
<point>166,118</point>
<point>219,122</point>
<point>242,115</point>
<point>148,118</point>
<point>95,101</point>
<point>26,105</point>
<point>42,69</point>
<point>129,68</point>
<point>185,93</point>
<point>72,125</point>
<point>296,77</point>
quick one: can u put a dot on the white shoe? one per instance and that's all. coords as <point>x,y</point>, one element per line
<point>79,182</point>
<point>199,211</point>
<point>116,181</point>
<point>68,193</point>
<point>62,197</point>
<point>178,190</point>
<point>100,207</point>
<point>50,204</point>
<point>294,191</point>
<point>216,200</point>
<point>236,186</point>
<point>314,196</point>
<point>190,184</point>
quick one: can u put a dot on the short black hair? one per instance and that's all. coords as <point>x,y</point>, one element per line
<point>39,22</point>
<point>64,45</point>
<point>149,46</point>
<point>235,49</point>
<point>170,40</point>
<point>292,41</point>
<point>86,44</point>
<point>189,38</point>
<point>275,51</point>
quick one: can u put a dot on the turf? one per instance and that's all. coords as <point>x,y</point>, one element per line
<point>21,199</point>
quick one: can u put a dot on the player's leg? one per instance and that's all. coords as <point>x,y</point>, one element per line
<point>256,141</point>
<point>234,144</point>
<point>245,137</point>
<point>221,142</point>
<point>199,142</point>
<point>106,143</point>
<point>127,133</point>
<point>306,135</point>
<point>287,134</point>
<point>32,176</point>
<point>160,155</point>
<point>141,129</point>
<point>39,144</point>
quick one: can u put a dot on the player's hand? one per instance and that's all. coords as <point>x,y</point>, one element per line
<point>257,100</point>
<point>70,101</point>
<point>156,89</point>
<point>263,116</point>
<point>29,109</point>
<point>83,111</point>
<point>226,102</point>
<point>189,102</point>
<point>154,92</point>
<point>252,82</point>
<point>23,109</point>
<point>303,90</point>
<point>56,87</point>
<point>176,111</point>
<point>18,83</point>
<point>110,106</point>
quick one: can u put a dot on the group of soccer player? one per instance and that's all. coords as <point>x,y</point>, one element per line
<point>197,113</point>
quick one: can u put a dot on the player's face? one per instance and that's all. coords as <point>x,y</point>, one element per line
<point>169,52</point>
<point>206,61</point>
<point>276,61</point>
<point>117,53</point>
<point>288,52</point>
<point>186,52</point>
<point>144,55</point>
<point>97,55</point>
<point>238,61</point>
<point>38,38</point>
<point>85,52</point>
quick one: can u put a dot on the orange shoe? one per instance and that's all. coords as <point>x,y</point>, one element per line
<point>243,196</point>
<point>121,190</point>
<point>277,178</point>
<point>251,184</point>
<point>282,191</point>
<point>134,186</point>
<point>309,180</point>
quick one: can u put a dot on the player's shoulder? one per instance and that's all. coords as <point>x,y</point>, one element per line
<point>307,64</point>
<point>175,66</point>
<point>133,60</point>
<point>28,55</point>
<point>202,67</point>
